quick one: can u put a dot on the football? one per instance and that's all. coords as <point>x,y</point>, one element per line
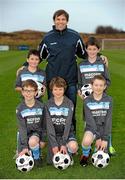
<point>100,159</point>
<point>86,90</point>
<point>61,161</point>
<point>24,163</point>
<point>40,89</point>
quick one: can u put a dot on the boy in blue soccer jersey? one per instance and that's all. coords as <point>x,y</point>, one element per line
<point>98,119</point>
<point>32,72</point>
<point>90,67</point>
<point>59,112</point>
<point>31,122</point>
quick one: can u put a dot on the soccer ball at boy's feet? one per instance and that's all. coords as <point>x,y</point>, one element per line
<point>40,89</point>
<point>100,159</point>
<point>24,163</point>
<point>86,90</point>
<point>61,161</point>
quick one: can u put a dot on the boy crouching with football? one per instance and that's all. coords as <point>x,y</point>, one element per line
<point>59,112</point>
<point>98,119</point>
<point>31,123</point>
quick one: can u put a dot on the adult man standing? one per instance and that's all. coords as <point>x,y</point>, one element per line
<point>60,47</point>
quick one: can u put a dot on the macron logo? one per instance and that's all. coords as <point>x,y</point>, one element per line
<point>53,43</point>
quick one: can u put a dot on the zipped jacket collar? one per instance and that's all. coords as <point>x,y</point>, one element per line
<point>58,31</point>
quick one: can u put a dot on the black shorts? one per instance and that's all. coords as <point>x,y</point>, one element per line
<point>19,143</point>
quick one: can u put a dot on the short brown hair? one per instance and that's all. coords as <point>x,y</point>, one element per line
<point>30,83</point>
<point>98,77</point>
<point>58,82</point>
<point>34,52</point>
<point>92,41</point>
<point>59,13</point>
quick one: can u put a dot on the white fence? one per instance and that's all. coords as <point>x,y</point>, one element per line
<point>113,44</point>
<point>4,47</point>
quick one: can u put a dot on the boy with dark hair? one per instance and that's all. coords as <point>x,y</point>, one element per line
<point>91,66</point>
<point>31,122</point>
<point>59,112</point>
<point>98,119</point>
<point>32,72</point>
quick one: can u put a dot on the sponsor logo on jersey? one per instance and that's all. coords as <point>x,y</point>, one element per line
<point>33,120</point>
<point>59,121</point>
<point>91,75</point>
<point>99,113</point>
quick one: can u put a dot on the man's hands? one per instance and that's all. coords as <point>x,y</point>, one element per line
<point>105,60</point>
<point>80,94</point>
<point>18,70</point>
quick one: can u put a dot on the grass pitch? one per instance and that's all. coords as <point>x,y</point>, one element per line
<point>9,62</point>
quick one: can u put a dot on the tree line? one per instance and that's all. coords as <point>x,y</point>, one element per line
<point>107,30</point>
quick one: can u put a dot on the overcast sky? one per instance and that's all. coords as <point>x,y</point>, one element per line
<point>85,15</point>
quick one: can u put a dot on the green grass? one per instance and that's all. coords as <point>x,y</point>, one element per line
<point>9,99</point>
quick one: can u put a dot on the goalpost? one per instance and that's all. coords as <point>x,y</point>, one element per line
<point>113,44</point>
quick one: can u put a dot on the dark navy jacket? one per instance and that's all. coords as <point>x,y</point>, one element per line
<point>61,49</point>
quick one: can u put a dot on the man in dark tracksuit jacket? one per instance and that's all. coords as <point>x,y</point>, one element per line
<point>60,47</point>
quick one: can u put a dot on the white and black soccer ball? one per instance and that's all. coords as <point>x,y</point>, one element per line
<point>24,163</point>
<point>61,161</point>
<point>86,90</point>
<point>100,159</point>
<point>40,89</point>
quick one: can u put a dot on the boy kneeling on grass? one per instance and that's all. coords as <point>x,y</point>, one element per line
<point>98,119</point>
<point>31,123</point>
<point>59,112</point>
